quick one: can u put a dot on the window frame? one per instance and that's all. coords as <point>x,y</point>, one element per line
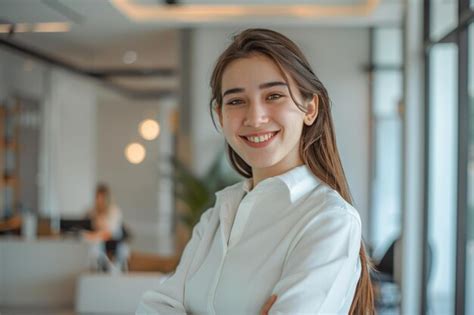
<point>459,36</point>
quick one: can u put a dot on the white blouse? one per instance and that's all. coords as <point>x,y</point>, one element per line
<point>291,235</point>
<point>110,221</point>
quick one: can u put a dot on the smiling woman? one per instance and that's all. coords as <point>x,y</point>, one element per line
<point>287,240</point>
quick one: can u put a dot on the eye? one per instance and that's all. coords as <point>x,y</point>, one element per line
<point>235,101</point>
<point>274,96</point>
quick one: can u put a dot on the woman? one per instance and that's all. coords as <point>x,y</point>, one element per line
<point>108,253</point>
<point>105,216</point>
<point>287,240</point>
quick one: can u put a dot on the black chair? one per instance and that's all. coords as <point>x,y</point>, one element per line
<point>111,245</point>
<point>387,291</point>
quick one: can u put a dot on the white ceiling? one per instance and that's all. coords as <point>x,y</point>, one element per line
<point>100,33</point>
<point>97,30</point>
<point>98,24</point>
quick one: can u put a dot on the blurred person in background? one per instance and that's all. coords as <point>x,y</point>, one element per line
<point>107,232</point>
<point>106,217</point>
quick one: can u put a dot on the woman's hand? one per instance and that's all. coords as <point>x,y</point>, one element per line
<point>96,236</point>
<point>89,236</point>
<point>268,305</point>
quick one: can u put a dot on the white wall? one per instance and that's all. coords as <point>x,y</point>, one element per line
<point>68,144</point>
<point>136,187</point>
<point>21,76</point>
<point>337,56</point>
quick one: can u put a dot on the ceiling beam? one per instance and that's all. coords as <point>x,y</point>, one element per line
<point>103,75</point>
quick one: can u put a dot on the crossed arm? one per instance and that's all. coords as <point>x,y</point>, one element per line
<point>320,273</point>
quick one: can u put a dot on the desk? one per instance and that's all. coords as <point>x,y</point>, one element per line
<point>40,272</point>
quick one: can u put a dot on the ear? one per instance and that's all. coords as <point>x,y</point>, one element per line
<point>218,111</point>
<point>312,110</point>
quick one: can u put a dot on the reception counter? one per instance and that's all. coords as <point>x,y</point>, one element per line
<point>41,272</point>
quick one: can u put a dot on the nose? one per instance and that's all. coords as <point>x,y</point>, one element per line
<point>256,115</point>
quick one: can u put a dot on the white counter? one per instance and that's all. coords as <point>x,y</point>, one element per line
<point>41,272</point>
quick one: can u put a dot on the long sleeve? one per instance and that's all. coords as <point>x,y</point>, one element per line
<point>322,269</point>
<point>167,299</point>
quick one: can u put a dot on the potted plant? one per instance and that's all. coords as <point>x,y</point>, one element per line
<point>198,193</point>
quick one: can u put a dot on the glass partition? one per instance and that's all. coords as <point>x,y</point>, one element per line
<point>470,181</point>
<point>386,139</point>
<point>443,17</point>
<point>442,190</point>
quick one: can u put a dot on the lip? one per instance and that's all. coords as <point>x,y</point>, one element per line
<point>260,144</point>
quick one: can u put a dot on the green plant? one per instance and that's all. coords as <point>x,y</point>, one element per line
<point>198,193</point>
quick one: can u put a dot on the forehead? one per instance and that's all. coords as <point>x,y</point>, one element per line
<point>250,71</point>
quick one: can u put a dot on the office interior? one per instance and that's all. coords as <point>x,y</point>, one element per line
<point>117,92</point>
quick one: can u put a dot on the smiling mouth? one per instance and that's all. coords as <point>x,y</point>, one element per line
<point>261,138</point>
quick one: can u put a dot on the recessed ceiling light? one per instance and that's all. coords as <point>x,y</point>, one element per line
<point>129,57</point>
<point>22,28</point>
<point>49,27</point>
<point>52,27</point>
<point>5,28</point>
<point>213,12</point>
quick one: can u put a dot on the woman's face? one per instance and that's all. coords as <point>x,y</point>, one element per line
<point>259,119</point>
<point>100,200</point>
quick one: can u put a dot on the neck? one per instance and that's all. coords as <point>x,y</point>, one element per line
<point>260,174</point>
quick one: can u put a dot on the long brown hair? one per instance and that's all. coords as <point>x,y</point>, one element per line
<point>318,143</point>
<point>102,189</point>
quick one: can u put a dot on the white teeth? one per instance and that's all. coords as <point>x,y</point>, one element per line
<point>261,138</point>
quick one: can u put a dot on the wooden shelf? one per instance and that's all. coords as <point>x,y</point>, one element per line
<point>9,179</point>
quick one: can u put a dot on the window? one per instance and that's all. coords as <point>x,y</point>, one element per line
<point>386,139</point>
<point>386,182</point>
<point>442,190</point>
<point>449,208</point>
<point>443,17</point>
<point>470,180</point>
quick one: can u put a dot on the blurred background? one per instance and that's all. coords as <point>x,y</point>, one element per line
<point>117,93</point>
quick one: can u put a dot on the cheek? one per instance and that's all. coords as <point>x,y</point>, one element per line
<point>227,129</point>
<point>230,122</point>
<point>291,120</point>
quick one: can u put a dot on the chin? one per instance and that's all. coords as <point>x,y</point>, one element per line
<point>260,162</point>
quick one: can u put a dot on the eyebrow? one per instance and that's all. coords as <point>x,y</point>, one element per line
<point>261,86</point>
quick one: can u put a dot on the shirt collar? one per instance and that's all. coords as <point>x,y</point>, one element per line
<point>296,182</point>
